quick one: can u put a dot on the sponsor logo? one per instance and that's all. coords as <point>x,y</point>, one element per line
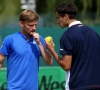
<point>61,49</point>
<point>34,42</point>
<point>80,25</point>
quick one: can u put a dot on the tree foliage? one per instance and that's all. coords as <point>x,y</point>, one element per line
<point>8,10</point>
<point>89,10</point>
<point>84,6</point>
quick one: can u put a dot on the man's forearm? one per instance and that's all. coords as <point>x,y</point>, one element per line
<point>57,58</point>
<point>45,54</point>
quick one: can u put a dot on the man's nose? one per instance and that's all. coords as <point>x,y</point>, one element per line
<point>58,21</point>
<point>34,27</point>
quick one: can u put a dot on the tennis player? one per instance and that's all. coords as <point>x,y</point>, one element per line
<point>23,50</point>
<point>80,50</point>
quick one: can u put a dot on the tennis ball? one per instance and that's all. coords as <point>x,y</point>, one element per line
<point>48,39</point>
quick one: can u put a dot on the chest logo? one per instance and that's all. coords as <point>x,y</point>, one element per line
<point>34,42</point>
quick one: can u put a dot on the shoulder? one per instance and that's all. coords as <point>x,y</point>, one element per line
<point>68,33</point>
<point>12,35</point>
<point>41,38</point>
<point>9,38</point>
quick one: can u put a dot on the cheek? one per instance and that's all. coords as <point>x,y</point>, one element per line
<point>27,28</point>
<point>64,21</point>
<point>59,21</point>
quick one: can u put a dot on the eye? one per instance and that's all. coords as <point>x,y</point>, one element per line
<point>35,25</point>
<point>30,25</point>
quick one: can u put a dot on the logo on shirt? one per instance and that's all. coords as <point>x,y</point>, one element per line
<point>34,42</point>
<point>80,25</point>
<point>61,49</point>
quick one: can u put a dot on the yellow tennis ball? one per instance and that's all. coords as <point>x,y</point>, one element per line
<point>48,39</point>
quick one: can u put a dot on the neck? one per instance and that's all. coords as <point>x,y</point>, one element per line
<point>27,35</point>
<point>71,20</point>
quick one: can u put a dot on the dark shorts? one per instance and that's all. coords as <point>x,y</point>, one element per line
<point>91,89</point>
<point>87,89</point>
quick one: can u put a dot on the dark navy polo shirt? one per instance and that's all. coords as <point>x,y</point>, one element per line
<point>83,43</point>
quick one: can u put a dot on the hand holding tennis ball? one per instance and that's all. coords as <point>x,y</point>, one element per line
<point>49,39</point>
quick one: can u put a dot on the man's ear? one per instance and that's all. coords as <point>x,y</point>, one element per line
<point>66,16</point>
<point>21,23</point>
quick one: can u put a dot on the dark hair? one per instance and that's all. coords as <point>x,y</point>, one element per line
<point>67,8</point>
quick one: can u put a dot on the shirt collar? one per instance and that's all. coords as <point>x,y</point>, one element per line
<point>74,23</point>
<point>24,36</point>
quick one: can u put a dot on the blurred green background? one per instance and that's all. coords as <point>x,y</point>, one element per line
<point>50,78</point>
<point>89,14</point>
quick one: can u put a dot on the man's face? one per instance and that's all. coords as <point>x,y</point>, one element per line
<point>28,27</point>
<point>61,20</point>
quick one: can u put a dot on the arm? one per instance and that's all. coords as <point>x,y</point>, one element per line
<point>1,59</point>
<point>64,62</point>
<point>45,54</point>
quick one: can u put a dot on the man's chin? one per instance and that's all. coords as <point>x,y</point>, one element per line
<point>62,26</point>
<point>31,33</point>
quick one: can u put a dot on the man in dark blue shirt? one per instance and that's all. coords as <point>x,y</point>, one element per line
<point>80,50</point>
<point>23,50</point>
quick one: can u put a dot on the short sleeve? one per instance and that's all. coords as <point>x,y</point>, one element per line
<point>43,43</point>
<point>5,47</point>
<point>65,45</point>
